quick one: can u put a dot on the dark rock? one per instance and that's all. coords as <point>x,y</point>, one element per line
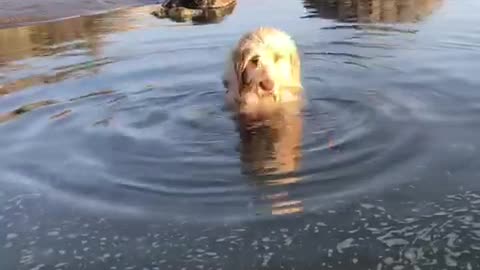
<point>199,11</point>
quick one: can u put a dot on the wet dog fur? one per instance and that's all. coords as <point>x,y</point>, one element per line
<point>262,72</point>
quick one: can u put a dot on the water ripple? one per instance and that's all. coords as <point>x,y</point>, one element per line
<point>117,150</point>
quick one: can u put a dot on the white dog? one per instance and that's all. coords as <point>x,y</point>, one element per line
<point>262,71</point>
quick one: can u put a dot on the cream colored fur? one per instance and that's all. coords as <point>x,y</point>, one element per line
<point>265,56</point>
<point>262,78</point>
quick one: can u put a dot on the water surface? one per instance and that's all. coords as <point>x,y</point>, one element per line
<point>117,152</point>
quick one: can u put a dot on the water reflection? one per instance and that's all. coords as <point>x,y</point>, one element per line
<point>270,151</point>
<point>43,39</point>
<point>88,67</point>
<point>75,37</point>
<point>9,116</point>
<point>27,108</point>
<point>371,11</point>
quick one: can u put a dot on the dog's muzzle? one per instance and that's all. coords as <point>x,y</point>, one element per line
<point>267,85</point>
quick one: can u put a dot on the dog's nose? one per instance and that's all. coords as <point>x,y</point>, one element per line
<point>267,85</point>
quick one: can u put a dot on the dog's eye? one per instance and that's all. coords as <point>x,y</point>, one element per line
<point>277,57</point>
<point>254,60</point>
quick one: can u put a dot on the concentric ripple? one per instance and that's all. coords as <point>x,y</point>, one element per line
<point>155,140</point>
<point>168,149</point>
<point>166,156</point>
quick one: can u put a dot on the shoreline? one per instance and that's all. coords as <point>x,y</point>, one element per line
<point>17,14</point>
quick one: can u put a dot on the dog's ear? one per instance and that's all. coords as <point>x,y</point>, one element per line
<point>241,58</point>
<point>296,68</point>
<point>295,64</point>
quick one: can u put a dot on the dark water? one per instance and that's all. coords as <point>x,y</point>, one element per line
<point>118,154</point>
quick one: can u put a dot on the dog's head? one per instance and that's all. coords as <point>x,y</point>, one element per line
<point>267,65</point>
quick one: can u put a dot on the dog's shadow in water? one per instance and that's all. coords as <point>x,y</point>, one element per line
<point>270,153</point>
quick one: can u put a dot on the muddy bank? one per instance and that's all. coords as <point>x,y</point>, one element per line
<point>15,13</point>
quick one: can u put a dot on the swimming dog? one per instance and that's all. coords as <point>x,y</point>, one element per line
<point>262,71</point>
